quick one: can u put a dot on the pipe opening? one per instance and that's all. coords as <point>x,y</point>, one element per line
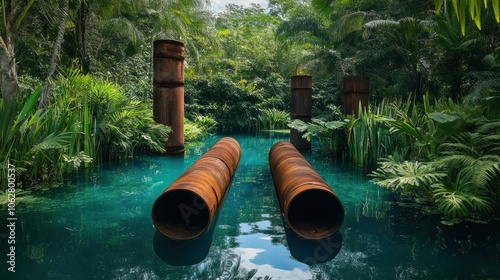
<point>315,214</point>
<point>181,214</point>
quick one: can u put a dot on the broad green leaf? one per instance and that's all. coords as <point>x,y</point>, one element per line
<point>443,117</point>
<point>30,104</point>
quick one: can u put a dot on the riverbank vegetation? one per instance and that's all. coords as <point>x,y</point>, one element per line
<point>77,87</point>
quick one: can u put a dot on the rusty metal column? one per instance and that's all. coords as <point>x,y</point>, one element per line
<point>301,108</point>
<point>168,91</point>
<point>310,207</point>
<point>356,89</point>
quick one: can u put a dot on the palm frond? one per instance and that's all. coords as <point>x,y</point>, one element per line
<point>407,175</point>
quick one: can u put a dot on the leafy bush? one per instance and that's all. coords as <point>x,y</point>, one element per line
<point>462,175</point>
<point>272,119</point>
<point>330,135</point>
<point>231,106</point>
<point>31,139</point>
<point>198,129</point>
<point>108,124</point>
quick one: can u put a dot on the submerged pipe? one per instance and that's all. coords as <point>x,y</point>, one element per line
<point>310,207</point>
<point>186,209</point>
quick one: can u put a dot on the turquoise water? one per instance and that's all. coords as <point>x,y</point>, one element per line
<point>99,227</point>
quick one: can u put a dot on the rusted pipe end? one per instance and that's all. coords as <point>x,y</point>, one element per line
<point>309,206</point>
<point>187,208</point>
<point>188,214</point>
<point>315,213</point>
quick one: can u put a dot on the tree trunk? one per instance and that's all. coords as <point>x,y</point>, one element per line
<point>45,97</point>
<point>8,80</point>
<point>81,35</point>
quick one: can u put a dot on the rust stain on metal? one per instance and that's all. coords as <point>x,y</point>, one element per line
<point>310,207</point>
<point>186,209</point>
<point>168,90</point>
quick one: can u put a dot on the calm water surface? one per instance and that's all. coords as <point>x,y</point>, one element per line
<point>99,227</point>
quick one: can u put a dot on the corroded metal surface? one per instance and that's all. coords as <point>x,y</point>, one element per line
<point>168,90</point>
<point>186,209</point>
<point>356,90</point>
<point>300,107</point>
<point>309,206</point>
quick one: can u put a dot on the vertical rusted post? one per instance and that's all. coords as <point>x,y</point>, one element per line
<point>356,90</point>
<point>168,90</point>
<point>301,108</point>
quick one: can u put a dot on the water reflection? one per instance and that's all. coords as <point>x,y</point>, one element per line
<point>182,252</point>
<point>313,252</point>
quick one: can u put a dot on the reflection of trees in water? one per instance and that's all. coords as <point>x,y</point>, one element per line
<point>408,244</point>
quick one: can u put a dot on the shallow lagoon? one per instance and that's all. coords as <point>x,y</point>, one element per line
<point>99,227</point>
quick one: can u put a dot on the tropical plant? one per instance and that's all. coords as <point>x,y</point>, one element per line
<point>474,158</point>
<point>407,176</point>
<point>31,139</point>
<point>272,119</point>
<point>199,128</point>
<point>462,173</point>
<point>367,139</point>
<point>475,8</point>
<point>461,197</point>
<point>108,123</point>
<point>330,135</point>
<point>230,105</point>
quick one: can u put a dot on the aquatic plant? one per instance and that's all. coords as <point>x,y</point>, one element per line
<point>273,119</point>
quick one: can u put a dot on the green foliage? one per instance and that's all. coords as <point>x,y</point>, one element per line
<point>474,6</point>
<point>31,139</point>
<point>461,197</point>
<point>331,135</point>
<point>367,139</point>
<point>230,105</point>
<point>407,175</point>
<point>199,128</point>
<point>462,177</point>
<point>107,123</point>
<point>22,196</point>
<point>273,119</point>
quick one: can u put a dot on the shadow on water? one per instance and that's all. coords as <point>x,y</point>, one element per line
<point>184,252</point>
<point>310,251</point>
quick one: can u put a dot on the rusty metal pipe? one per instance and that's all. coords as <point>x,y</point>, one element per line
<point>310,207</point>
<point>168,91</point>
<point>356,90</point>
<point>301,107</point>
<point>186,209</point>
